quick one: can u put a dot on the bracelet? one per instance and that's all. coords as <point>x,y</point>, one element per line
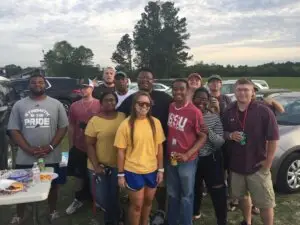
<point>230,136</point>
<point>162,170</point>
<point>51,147</point>
<point>121,175</point>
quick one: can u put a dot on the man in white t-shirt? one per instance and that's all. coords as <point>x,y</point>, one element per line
<point>121,85</point>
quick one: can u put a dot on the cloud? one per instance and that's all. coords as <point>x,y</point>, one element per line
<point>222,31</point>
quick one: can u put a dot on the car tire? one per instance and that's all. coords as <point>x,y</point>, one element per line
<point>66,105</point>
<point>288,178</point>
<point>8,156</point>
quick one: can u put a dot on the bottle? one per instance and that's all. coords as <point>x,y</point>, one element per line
<point>41,163</point>
<point>173,154</point>
<point>36,173</point>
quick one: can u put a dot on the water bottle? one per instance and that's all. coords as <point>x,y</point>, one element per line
<point>36,173</point>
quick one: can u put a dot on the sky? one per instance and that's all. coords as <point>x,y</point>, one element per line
<point>235,32</point>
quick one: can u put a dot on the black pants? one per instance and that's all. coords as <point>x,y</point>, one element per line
<point>211,170</point>
<point>77,167</point>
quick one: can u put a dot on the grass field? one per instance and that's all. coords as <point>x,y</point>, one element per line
<point>292,83</point>
<point>287,211</point>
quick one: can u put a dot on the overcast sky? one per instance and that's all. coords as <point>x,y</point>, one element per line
<point>222,31</point>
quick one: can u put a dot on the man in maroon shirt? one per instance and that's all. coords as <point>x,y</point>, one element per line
<point>79,114</point>
<point>186,136</point>
<point>252,134</point>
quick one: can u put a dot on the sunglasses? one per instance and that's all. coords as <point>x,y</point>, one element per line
<point>144,104</point>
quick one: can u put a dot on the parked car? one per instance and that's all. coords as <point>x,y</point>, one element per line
<point>64,89</point>
<point>286,164</point>
<point>156,86</point>
<point>228,87</point>
<point>8,97</point>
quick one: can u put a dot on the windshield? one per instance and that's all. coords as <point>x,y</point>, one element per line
<point>291,105</point>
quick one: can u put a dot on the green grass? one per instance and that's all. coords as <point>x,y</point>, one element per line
<point>292,83</point>
<point>287,211</point>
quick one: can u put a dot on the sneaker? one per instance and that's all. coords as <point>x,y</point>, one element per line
<point>75,205</point>
<point>197,217</point>
<point>158,218</point>
<point>255,210</point>
<point>244,223</point>
<point>17,220</point>
<point>53,216</point>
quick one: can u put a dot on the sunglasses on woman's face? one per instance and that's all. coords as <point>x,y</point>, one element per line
<point>143,104</point>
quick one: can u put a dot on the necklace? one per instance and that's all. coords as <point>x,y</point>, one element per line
<point>87,107</point>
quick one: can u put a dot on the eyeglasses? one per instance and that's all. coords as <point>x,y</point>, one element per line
<point>144,104</point>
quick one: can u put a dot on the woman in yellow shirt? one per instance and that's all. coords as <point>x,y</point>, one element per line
<point>140,157</point>
<point>102,157</point>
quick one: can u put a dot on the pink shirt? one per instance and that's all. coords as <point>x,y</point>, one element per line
<point>79,115</point>
<point>184,126</point>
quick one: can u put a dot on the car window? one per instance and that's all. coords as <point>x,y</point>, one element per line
<point>63,83</point>
<point>157,86</point>
<point>288,119</point>
<point>227,89</point>
<point>293,108</point>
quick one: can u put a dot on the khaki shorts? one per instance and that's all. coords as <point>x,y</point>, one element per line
<point>259,185</point>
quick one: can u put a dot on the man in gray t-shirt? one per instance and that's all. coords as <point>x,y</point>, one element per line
<point>38,124</point>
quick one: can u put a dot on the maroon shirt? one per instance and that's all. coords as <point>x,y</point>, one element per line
<point>79,115</point>
<point>260,126</point>
<point>184,126</point>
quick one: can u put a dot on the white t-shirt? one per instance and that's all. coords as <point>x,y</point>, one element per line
<point>121,98</point>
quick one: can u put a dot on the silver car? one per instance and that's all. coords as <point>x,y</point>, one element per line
<point>286,164</point>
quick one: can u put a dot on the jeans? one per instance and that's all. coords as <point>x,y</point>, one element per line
<point>106,193</point>
<point>180,189</point>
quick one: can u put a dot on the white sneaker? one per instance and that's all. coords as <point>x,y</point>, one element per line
<point>158,218</point>
<point>74,206</point>
<point>17,220</point>
<point>53,216</point>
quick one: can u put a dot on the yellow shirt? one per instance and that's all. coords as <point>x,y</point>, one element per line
<point>105,131</point>
<point>141,159</point>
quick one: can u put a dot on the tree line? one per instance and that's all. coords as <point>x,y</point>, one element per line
<point>158,42</point>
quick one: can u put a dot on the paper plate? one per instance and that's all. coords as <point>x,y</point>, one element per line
<point>47,176</point>
<point>19,175</point>
<point>5,185</point>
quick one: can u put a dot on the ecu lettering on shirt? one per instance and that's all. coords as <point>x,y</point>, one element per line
<point>259,125</point>
<point>184,126</point>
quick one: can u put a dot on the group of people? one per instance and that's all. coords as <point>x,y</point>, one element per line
<point>153,146</point>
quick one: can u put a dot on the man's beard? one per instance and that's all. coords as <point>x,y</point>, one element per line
<point>37,93</point>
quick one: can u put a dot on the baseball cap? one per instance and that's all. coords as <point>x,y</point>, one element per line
<point>120,74</point>
<point>214,77</point>
<point>87,83</point>
<point>195,75</point>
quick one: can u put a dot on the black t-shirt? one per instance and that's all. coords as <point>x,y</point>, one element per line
<point>98,91</point>
<point>160,109</point>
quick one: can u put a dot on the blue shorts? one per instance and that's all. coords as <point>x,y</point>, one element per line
<point>61,171</point>
<point>136,182</point>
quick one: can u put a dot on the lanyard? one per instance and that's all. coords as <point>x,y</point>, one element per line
<point>243,122</point>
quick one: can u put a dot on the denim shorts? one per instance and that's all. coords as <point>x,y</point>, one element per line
<point>136,182</point>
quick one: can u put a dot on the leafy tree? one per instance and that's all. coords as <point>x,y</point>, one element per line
<point>160,39</point>
<point>123,54</point>
<point>66,60</point>
<point>12,69</point>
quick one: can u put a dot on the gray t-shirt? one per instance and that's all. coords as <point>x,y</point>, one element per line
<point>38,121</point>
